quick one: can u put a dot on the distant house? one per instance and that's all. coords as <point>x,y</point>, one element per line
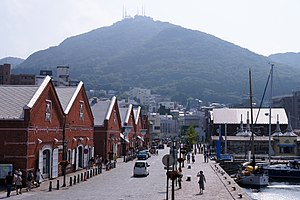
<point>107,128</point>
<point>79,125</point>
<point>233,127</point>
<point>6,78</point>
<point>140,128</point>
<point>128,125</point>
<point>31,126</point>
<point>232,117</point>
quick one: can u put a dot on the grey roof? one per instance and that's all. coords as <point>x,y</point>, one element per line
<point>123,112</point>
<point>232,115</point>
<point>13,99</point>
<point>65,95</point>
<point>99,110</point>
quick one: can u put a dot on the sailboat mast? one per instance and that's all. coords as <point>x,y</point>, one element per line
<point>270,110</point>
<point>251,112</point>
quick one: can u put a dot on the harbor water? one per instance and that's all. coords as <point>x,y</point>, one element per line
<point>276,191</point>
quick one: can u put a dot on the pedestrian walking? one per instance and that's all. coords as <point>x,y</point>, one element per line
<point>188,157</point>
<point>91,162</point>
<point>9,182</point>
<point>97,160</point>
<point>20,172</point>
<point>205,157</point>
<point>115,157</point>
<point>193,158</point>
<point>201,181</point>
<point>38,177</point>
<point>29,180</point>
<point>179,177</point>
<point>18,182</point>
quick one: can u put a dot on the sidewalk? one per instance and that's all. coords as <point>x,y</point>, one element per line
<point>45,184</point>
<point>216,186</point>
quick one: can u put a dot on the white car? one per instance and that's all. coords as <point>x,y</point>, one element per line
<point>141,168</point>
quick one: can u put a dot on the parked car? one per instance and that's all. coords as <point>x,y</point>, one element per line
<point>142,155</point>
<point>141,168</point>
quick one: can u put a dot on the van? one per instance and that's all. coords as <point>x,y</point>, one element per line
<point>141,168</point>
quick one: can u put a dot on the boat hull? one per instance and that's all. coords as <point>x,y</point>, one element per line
<point>283,173</point>
<point>253,180</point>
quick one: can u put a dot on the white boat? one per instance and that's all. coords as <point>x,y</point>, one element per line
<point>250,177</point>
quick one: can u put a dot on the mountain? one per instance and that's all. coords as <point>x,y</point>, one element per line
<point>169,59</point>
<point>11,60</point>
<point>290,58</point>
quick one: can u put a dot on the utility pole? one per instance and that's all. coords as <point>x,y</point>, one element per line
<point>64,166</point>
<point>173,168</point>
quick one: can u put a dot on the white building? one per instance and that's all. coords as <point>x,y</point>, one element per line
<point>169,127</point>
<point>167,104</point>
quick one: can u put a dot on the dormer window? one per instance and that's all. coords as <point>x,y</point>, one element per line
<point>48,111</point>
<point>81,111</point>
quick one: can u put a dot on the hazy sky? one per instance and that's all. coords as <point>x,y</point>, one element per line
<point>262,26</point>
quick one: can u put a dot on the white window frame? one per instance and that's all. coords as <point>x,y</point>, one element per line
<point>48,112</point>
<point>81,110</point>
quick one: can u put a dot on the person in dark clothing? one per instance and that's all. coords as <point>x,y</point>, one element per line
<point>179,177</point>
<point>193,158</point>
<point>201,181</point>
<point>9,182</point>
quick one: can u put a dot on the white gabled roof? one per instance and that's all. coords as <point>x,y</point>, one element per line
<point>39,92</point>
<point>233,115</point>
<point>137,113</point>
<point>126,120</point>
<point>67,96</point>
<point>110,108</point>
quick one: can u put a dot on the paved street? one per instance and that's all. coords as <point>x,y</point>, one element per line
<point>118,184</point>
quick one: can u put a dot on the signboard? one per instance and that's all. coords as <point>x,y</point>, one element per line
<point>167,160</point>
<point>4,169</point>
<point>86,151</point>
<point>226,157</point>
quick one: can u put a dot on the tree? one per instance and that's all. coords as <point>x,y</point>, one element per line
<point>192,135</point>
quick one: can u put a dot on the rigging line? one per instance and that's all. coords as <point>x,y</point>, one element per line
<point>262,99</point>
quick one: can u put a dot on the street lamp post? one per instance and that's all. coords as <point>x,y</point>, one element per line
<point>173,168</point>
<point>111,148</point>
<point>64,166</point>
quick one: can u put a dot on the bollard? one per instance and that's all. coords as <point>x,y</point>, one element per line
<point>100,170</point>
<point>57,184</point>
<point>189,167</point>
<point>96,171</point>
<point>74,180</point>
<point>229,182</point>
<point>240,195</point>
<point>50,186</point>
<point>87,175</point>
<point>225,177</point>
<point>93,172</point>
<point>71,181</point>
<point>233,188</point>
<point>81,176</point>
<point>77,178</point>
<point>188,178</point>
